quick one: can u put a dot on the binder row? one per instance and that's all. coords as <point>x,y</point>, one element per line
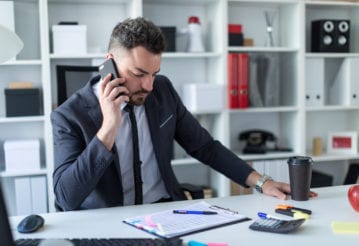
<point>30,195</point>
<point>253,80</point>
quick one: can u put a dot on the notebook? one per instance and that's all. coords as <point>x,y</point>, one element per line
<point>8,240</point>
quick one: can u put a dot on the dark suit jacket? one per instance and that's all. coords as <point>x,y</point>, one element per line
<point>87,175</point>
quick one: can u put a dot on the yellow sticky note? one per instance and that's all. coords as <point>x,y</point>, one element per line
<point>345,227</point>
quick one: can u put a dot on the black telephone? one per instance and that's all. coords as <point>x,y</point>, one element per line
<point>257,141</point>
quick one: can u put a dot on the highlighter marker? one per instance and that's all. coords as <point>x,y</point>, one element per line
<point>284,206</point>
<point>196,243</point>
<point>293,213</point>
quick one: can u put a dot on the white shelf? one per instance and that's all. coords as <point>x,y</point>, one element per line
<point>23,119</point>
<point>190,55</point>
<point>246,157</point>
<point>332,108</point>
<point>78,56</point>
<point>184,162</point>
<point>331,3</point>
<point>182,2</point>
<point>22,62</point>
<point>264,110</point>
<point>23,173</point>
<point>88,1</point>
<point>331,55</point>
<point>267,156</point>
<point>262,49</point>
<point>164,55</point>
<point>332,157</point>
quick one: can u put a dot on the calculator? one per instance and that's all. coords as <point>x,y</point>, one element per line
<point>276,225</point>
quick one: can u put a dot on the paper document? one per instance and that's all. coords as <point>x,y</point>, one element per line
<point>168,224</point>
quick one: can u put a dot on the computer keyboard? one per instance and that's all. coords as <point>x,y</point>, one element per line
<point>110,242</point>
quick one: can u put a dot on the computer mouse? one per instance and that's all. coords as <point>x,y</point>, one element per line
<point>30,223</point>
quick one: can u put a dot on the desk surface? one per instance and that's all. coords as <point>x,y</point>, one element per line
<point>331,205</point>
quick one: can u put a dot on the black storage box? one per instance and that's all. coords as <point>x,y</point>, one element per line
<point>235,35</point>
<point>195,191</point>
<point>22,102</point>
<point>320,179</point>
<point>170,36</point>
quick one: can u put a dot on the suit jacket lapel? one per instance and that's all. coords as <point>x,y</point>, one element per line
<point>153,108</point>
<point>92,105</point>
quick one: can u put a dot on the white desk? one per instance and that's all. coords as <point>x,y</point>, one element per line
<point>331,204</point>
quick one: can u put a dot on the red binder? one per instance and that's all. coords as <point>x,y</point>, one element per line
<point>233,85</point>
<point>237,80</point>
<point>243,80</point>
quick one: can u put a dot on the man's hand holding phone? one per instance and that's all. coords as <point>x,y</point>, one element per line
<point>111,95</point>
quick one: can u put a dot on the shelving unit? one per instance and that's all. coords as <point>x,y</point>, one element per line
<point>293,120</point>
<point>335,110</point>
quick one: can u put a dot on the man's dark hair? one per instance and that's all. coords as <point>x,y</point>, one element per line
<point>131,33</point>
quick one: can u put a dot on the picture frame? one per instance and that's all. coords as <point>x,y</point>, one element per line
<point>342,143</point>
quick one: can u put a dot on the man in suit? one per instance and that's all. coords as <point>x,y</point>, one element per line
<point>93,141</point>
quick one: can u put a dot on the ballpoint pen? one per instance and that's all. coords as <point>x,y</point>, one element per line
<point>266,216</point>
<point>194,212</point>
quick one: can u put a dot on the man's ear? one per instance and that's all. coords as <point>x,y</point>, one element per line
<point>109,55</point>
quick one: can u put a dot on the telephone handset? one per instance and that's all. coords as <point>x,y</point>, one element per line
<point>256,137</point>
<point>257,141</point>
<point>107,67</point>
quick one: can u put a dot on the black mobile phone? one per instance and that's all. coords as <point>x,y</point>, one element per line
<point>109,66</point>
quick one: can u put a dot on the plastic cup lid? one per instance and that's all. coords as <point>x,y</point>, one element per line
<point>298,160</point>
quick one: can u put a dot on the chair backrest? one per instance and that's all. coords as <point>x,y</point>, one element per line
<point>72,78</point>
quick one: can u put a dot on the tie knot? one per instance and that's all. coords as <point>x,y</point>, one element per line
<point>128,108</point>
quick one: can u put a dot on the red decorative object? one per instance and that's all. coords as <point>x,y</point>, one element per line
<point>353,196</point>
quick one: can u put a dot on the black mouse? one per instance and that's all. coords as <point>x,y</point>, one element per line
<point>30,223</point>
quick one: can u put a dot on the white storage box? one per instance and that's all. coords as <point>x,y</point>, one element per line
<point>22,155</point>
<point>69,39</point>
<point>203,97</point>
<point>7,14</point>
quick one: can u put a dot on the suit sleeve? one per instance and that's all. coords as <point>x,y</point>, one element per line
<point>78,165</point>
<point>199,144</point>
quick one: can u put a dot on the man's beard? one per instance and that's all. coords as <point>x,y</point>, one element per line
<point>139,97</point>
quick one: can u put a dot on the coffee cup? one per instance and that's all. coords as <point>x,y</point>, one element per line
<point>300,175</point>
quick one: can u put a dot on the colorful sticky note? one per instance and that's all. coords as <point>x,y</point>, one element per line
<point>195,243</point>
<point>345,227</point>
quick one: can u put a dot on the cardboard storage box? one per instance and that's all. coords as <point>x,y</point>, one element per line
<point>22,102</point>
<point>69,39</point>
<point>22,155</point>
<point>203,97</point>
